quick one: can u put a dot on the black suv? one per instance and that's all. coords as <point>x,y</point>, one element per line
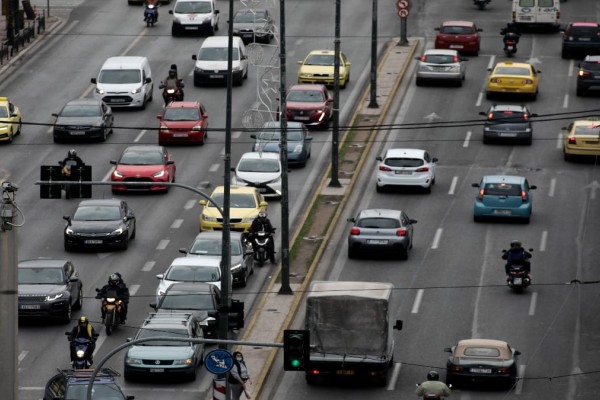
<point>507,123</point>
<point>588,76</point>
<point>73,384</point>
<point>580,38</point>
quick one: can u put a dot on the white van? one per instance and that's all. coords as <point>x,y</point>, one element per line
<point>191,16</point>
<point>211,61</point>
<point>537,13</point>
<point>124,82</point>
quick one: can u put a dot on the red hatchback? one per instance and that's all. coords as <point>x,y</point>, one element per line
<point>309,104</point>
<point>143,163</point>
<point>458,35</point>
<point>183,122</point>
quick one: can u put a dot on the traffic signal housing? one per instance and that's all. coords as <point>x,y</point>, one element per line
<point>296,349</point>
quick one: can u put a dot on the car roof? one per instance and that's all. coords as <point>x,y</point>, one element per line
<point>43,263</point>
<point>276,124</point>
<point>512,64</point>
<point>502,346</point>
<point>84,102</point>
<point>580,122</point>
<point>183,104</point>
<point>331,52</point>
<point>218,235</point>
<point>380,213</point>
<point>446,52</point>
<point>255,155</point>
<point>100,202</point>
<point>236,189</point>
<point>168,319</point>
<point>508,107</point>
<point>82,376</point>
<point>120,62</point>
<point>306,86</point>
<point>198,287</point>
<point>458,23</point>
<point>503,179</point>
<point>196,262</point>
<point>4,100</point>
<point>592,58</point>
<point>415,153</point>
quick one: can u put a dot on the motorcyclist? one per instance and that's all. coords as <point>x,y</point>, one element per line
<point>71,157</point>
<point>517,255</point>
<point>262,223</point>
<point>510,32</point>
<point>433,386</point>
<point>115,281</point>
<point>172,81</point>
<point>154,3</point>
<point>83,329</point>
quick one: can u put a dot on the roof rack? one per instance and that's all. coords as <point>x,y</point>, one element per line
<point>87,373</point>
<point>166,317</point>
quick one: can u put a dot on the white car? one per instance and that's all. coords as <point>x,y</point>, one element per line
<point>194,16</point>
<point>189,269</point>
<point>441,65</point>
<point>261,170</point>
<point>406,167</point>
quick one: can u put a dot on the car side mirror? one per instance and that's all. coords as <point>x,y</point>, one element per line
<point>148,80</point>
<point>448,350</point>
<point>194,57</point>
<point>152,305</point>
<point>54,115</point>
<point>532,187</point>
<point>412,221</point>
<point>398,325</point>
<point>67,218</point>
<point>308,138</point>
<point>128,339</point>
<point>183,250</point>
<point>482,113</point>
<point>217,11</point>
<point>489,69</point>
<point>160,276</point>
<point>202,202</point>
<point>350,220</point>
<point>232,169</point>
<point>533,115</point>
<point>348,64</point>
<point>538,71</point>
<point>130,397</point>
<point>479,30</point>
<point>170,11</point>
<point>299,62</point>
<point>418,58</point>
<point>113,162</point>
<point>263,204</point>
<point>475,184</point>
<point>253,136</point>
<point>436,29</point>
<point>159,117</point>
<point>379,158</point>
<point>517,353</point>
<point>170,162</point>
<point>93,80</point>
<point>434,159</point>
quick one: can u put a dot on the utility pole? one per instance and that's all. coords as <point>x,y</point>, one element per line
<point>8,294</point>
<point>373,100</point>
<point>335,134</point>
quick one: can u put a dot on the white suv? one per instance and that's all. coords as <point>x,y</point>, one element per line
<point>406,167</point>
<point>191,16</point>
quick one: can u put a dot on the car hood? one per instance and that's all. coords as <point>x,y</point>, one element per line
<point>79,121</point>
<point>141,170</point>
<point>161,352</point>
<point>258,177</point>
<point>304,105</point>
<point>236,213</point>
<point>119,88</point>
<point>95,226</point>
<point>234,259</point>
<point>180,124</point>
<point>27,289</point>
<point>249,26</point>
<point>216,65</point>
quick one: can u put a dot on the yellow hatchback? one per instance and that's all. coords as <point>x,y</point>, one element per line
<point>245,204</point>
<point>10,120</point>
<point>582,139</point>
<point>317,67</point>
<point>513,77</point>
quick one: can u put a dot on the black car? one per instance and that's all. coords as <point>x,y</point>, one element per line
<point>83,119</point>
<point>588,76</point>
<point>106,223</point>
<point>253,25</point>
<point>73,384</point>
<point>49,288</point>
<point>508,123</point>
<point>581,38</point>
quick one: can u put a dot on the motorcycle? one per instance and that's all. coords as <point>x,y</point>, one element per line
<point>172,93</point>
<point>432,396</point>
<point>261,245</point>
<point>112,309</point>
<point>481,3</point>
<point>510,43</point>
<point>151,15</point>
<point>83,356</point>
<point>68,175</point>
<point>518,277</point>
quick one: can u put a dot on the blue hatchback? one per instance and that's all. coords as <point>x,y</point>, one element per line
<point>503,196</point>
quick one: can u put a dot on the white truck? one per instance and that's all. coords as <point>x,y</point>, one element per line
<point>351,331</point>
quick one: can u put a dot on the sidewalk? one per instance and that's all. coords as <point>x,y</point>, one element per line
<point>276,312</point>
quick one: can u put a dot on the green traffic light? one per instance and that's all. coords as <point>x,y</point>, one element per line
<point>295,363</point>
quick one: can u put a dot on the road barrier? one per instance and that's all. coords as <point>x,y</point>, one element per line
<point>10,46</point>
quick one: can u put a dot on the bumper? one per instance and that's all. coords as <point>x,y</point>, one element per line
<point>390,247</point>
<point>95,242</point>
<point>587,84</point>
<point>470,377</point>
<point>181,137</point>
<point>205,76</point>
<point>423,181</point>
<point>218,226</point>
<point>523,211</point>
<point>96,133</point>
<point>581,151</point>
<point>508,136</point>
<point>122,101</point>
<point>146,188</point>
<point>4,136</point>
<point>525,89</point>
<point>191,28</point>
<point>43,309</point>
<point>441,76</point>
<point>314,119</point>
<point>325,80</point>
<point>581,47</point>
<point>160,370</point>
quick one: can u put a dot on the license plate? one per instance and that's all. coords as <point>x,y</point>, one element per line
<point>216,76</point>
<point>344,372</point>
<point>117,101</point>
<point>180,135</point>
<point>525,18</point>
<point>377,241</point>
<point>302,118</point>
<point>93,241</point>
<point>158,370</point>
<point>29,306</point>
<point>191,28</point>
<point>456,46</point>
<point>262,190</point>
<point>76,133</point>
<point>481,370</point>
<point>518,281</point>
<point>507,134</point>
<point>403,172</point>
<point>247,35</point>
<point>502,212</point>
<point>585,39</point>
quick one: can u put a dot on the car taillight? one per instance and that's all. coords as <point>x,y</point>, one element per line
<point>481,193</point>
<point>525,116</point>
<point>422,169</point>
<point>456,368</point>
<point>558,15</point>
<point>504,370</point>
<point>514,16</point>
<point>527,82</point>
<point>384,168</point>
<point>354,231</point>
<point>524,195</point>
<point>572,140</point>
<point>401,232</point>
<point>495,80</point>
<point>510,42</point>
<point>423,58</point>
<point>455,59</point>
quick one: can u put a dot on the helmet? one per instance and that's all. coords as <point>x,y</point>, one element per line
<point>83,321</point>
<point>172,73</point>
<point>515,244</point>
<point>113,279</point>
<point>262,215</point>
<point>72,153</point>
<point>433,376</point>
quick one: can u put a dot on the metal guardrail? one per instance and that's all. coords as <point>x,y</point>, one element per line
<point>9,47</point>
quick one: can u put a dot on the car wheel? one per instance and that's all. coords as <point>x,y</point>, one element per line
<point>419,82</point>
<point>251,268</point>
<point>476,218</point>
<point>428,189</point>
<point>174,31</point>
<point>10,137</point>
<point>488,95</point>
<point>459,82</point>
<point>125,244</point>
<point>379,189</point>
<point>192,376</point>
<point>404,252</point>
<point>486,140</point>
<point>534,96</point>
<point>127,376</point>
<point>580,92</point>
<point>133,234</point>
<point>66,318</point>
<point>311,380</point>
<point>217,26</point>
<point>529,141</point>
<point>566,156</point>
<point>104,135</point>
<point>79,303</point>
<point>564,54</point>
<point>211,31</point>
<point>352,253</point>
<point>19,128</point>
<point>526,219</point>
<point>343,85</point>
<point>244,280</point>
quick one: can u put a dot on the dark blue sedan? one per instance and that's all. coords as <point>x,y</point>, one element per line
<point>298,146</point>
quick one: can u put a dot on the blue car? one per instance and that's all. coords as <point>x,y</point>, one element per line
<point>503,196</point>
<point>298,146</point>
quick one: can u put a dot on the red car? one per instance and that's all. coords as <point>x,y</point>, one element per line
<point>309,104</point>
<point>183,122</point>
<point>144,163</point>
<point>458,35</point>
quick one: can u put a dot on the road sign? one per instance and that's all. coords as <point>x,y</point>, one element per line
<point>402,4</point>
<point>403,13</point>
<point>218,361</point>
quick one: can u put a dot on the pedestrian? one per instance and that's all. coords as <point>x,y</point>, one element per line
<point>238,377</point>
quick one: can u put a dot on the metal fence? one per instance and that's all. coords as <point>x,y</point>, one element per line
<point>11,46</point>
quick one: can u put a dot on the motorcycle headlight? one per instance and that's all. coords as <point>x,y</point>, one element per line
<point>117,231</point>
<point>117,174</point>
<point>187,361</point>
<point>136,90</point>
<point>99,91</point>
<point>159,174</point>
<point>69,231</point>
<point>80,353</point>
<point>236,267</point>
<point>133,361</point>
<point>53,297</point>
<point>110,299</point>
<point>297,149</point>
<point>170,91</point>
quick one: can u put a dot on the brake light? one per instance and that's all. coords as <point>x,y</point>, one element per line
<point>572,140</point>
<point>455,59</point>
<point>423,58</point>
<point>524,195</point>
<point>504,370</point>
<point>422,169</point>
<point>514,16</point>
<point>507,112</point>
<point>527,82</point>
<point>526,116</point>
<point>385,168</point>
<point>401,232</point>
<point>481,193</point>
<point>456,368</point>
<point>558,15</point>
<point>354,231</point>
<point>510,42</point>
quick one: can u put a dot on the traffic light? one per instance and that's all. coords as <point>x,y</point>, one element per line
<point>296,349</point>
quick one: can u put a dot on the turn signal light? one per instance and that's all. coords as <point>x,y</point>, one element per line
<point>354,231</point>
<point>456,368</point>
<point>481,193</point>
<point>527,82</point>
<point>504,370</point>
<point>455,59</point>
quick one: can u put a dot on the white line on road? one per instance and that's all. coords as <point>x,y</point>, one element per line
<point>552,187</point>
<point>395,374</point>
<point>162,244</point>
<point>99,342</point>
<point>520,374</point>
<point>31,388</point>
<point>479,99</point>
<point>566,101</point>
<point>436,238</point>
<point>453,185</point>
<point>571,65</point>
<point>492,61</point>
<point>133,289</point>
<point>22,355</point>
<point>214,167</point>
<point>139,136</point>
<point>148,266</point>
<point>190,204</point>
<point>467,138</point>
<point>417,302</point>
<point>222,153</point>
<point>559,140</point>
<point>108,174</point>
<point>532,304</point>
<point>176,224</point>
<point>236,134</point>
<point>543,241</point>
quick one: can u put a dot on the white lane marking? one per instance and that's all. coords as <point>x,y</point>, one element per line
<point>148,266</point>
<point>176,224</point>
<point>134,42</point>
<point>559,140</point>
<point>190,204</point>
<point>566,101</point>
<point>133,289</point>
<point>593,192</point>
<point>543,241</point>
<point>236,134</point>
<point>453,185</point>
<point>479,99</point>
<point>108,174</point>
<point>532,304</point>
<point>571,65</point>
<point>162,244</point>
<point>31,388</point>
<point>520,374</point>
<point>140,135</point>
<point>467,138</point>
<point>191,73</point>
<point>436,238</point>
<point>222,153</point>
<point>492,62</point>
<point>395,374</point>
<point>417,302</point>
<point>50,129</point>
<point>552,187</point>
<point>22,355</point>
<point>214,167</point>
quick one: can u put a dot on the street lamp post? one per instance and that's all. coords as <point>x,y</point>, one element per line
<point>335,134</point>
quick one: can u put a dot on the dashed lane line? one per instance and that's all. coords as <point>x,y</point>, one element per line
<point>140,135</point>
<point>190,204</point>
<point>177,224</point>
<point>394,378</point>
<point>214,168</point>
<point>559,140</point>
<point>453,185</point>
<point>236,134</point>
<point>417,302</point>
<point>467,139</point>
<point>520,374</point>
<point>436,238</point>
<point>148,266</point>
<point>162,244</point>
<point>533,304</point>
<point>22,355</point>
<point>566,101</point>
<point>543,241</point>
<point>133,289</point>
<point>552,188</point>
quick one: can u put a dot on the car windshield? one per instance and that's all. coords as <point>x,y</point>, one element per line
<point>482,352</point>
<point>320,59</point>
<point>404,162</point>
<point>237,200</point>
<point>294,135</point>
<point>97,213</point>
<point>307,96</point>
<point>80,111</point>
<point>192,7</point>
<point>172,333</point>
<point>506,116</point>
<point>189,273</point>
<point>519,71</point>
<point>502,189</point>
<point>250,17</point>
<point>120,76</point>
<point>134,157</point>
<point>588,65</point>
<point>440,59</point>
<point>258,165</point>
<point>457,30</point>
<point>181,114</point>
<point>185,300</point>
<point>100,391</point>
<point>588,129</point>
<point>212,247</point>
<point>41,276</point>
<point>216,54</point>
<point>378,223</point>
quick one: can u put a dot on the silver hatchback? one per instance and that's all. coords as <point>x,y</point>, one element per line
<point>441,65</point>
<point>381,230</point>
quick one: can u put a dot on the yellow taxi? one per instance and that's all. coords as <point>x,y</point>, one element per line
<point>245,204</point>
<point>317,68</point>
<point>513,77</point>
<point>582,139</point>
<point>10,120</point>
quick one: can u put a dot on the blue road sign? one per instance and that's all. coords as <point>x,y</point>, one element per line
<point>218,361</point>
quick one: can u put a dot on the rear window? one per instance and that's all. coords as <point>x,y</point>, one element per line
<point>584,31</point>
<point>519,71</point>
<point>404,162</point>
<point>546,3</point>
<point>526,3</point>
<point>507,116</point>
<point>378,223</point>
<point>481,352</point>
<point>457,30</point>
<point>588,129</point>
<point>502,189</point>
<point>591,65</point>
<point>439,59</point>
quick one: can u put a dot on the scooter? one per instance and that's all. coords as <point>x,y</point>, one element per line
<point>260,245</point>
<point>510,43</point>
<point>112,308</point>
<point>518,279</point>
<point>481,3</point>
<point>83,356</point>
<point>151,15</point>
<point>172,93</point>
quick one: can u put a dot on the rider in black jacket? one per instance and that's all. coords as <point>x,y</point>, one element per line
<point>517,255</point>
<point>115,281</point>
<point>262,223</point>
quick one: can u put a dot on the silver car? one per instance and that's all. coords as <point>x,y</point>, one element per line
<point>381,230</point>
<point>441,65</point>
<point>254,25</point>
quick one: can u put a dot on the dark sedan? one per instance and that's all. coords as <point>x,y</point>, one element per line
<point>482,360</point>
<point>107,223</point>
<point>298,147</point>
<point>83,119</point>
<point>508,123</point>
<point>49,288</point>
<point>309,104</point>
<point>254,25</point>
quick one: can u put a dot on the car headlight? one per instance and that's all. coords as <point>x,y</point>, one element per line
<point>276,180</point>
<point>197,128</point>
<point>99,91</point>
<point>527,129</point>
<point>248,219</point>
<point>238,68</point>
<point>159,174</point>
<point>187,361</point>
<point>176,20</point>
<point>4,128</point>
<point>136,90</point>
<point>69,231</point>
<point>80,353</point>
<point>239,180</point>
<point>236,30</point>
<point>133,361</point>
<point>206,20</point>
<point>297,149</point>
<point>117,174</point>
<point>236,267</point>
<point>199,70</point>
<point>117,231</point>
<point>52,297</point>
<point>486,128</point>
<point>163,128</point>
<point>209,218</point>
